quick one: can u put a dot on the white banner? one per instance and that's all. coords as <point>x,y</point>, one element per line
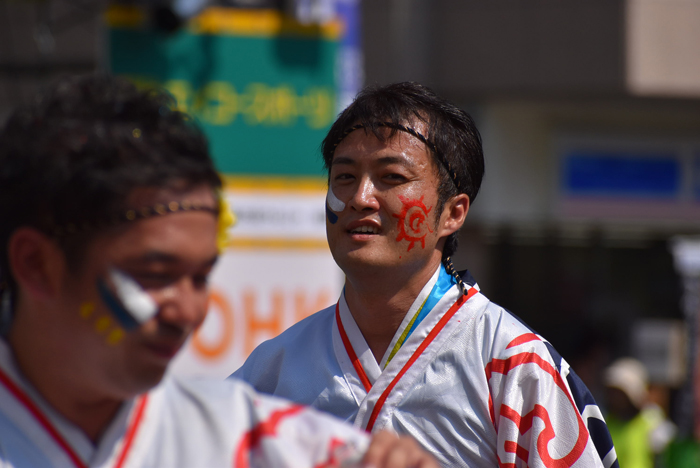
<point>276,271</point>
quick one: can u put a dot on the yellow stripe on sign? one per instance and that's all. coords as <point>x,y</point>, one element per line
<point>125,16</point>
<point>277,244</point>
<point>232,22</point>
<point>275,184</point>
<point>262,23</point>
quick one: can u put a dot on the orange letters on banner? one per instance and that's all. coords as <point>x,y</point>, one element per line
<point>285,310</point>
<point>218,349</point>
<point>273,325</point>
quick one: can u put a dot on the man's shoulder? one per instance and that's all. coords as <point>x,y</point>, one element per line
<point>298,344</point>
<point>525,364</point>
<point>316,323</point>
<point>494,319</point>
<point>505,333</point>
<point>312,329</point>
<point>489,313</point>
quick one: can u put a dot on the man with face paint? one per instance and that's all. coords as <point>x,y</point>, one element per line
<point>110,219</point>
<point>412,345</point>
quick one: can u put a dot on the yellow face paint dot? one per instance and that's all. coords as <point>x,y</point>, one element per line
<point>102,324</point>
<point>115,336</point>
<point>86,310</point>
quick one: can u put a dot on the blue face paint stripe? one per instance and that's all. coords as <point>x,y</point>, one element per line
<point>334,202</point>
<point>115,306</point>
<point>332,217</point>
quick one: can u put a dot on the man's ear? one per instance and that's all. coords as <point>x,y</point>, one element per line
<point>36,262</point>
<point>454,214</point>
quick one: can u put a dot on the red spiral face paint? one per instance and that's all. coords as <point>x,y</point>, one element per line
<point>412,224</point>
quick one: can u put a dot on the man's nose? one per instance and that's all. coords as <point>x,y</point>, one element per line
<point>182,303</point>
<point>365,195</point>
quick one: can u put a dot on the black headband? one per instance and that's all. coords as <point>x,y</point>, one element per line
<point>410,131</point>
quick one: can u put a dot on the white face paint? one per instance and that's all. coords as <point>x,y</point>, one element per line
<point>333,202</point>
<point>134,299</point>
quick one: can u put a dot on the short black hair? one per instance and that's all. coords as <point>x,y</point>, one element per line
<point>76,153</point>
<point>451,131</point>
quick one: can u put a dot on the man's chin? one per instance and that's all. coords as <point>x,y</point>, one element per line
<point>144,385</point>
<point>145,377</point>
<point>365,263</point>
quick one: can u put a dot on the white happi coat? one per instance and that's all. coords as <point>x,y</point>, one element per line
<point>472,383</point>
<point>178,424</point>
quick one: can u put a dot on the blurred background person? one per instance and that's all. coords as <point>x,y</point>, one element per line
<point>638,426</point>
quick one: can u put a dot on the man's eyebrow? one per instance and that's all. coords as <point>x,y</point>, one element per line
<point>156,256</point>
<point>403,161</point>
<point>384,160</point>
<point>343,160</point>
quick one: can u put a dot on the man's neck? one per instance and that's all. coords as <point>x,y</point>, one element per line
<point>380,305</point>
<point>58,389</point>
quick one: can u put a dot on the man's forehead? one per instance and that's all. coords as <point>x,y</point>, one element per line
<point>160,220</point>
<point>397,148</point>
<point>380,160</point>
<point>151,196</point>
<point>184,236</point>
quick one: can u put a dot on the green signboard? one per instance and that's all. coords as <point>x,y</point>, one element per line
<point>260,85</point>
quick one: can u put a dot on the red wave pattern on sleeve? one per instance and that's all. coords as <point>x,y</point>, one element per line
<point>265,428</point>
<point>526,338</point>
<point>524,423</point>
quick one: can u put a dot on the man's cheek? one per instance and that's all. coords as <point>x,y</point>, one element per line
<point>412,221</point>
<point>102,323</point>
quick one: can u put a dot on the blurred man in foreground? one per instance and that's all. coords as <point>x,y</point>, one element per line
<point>110,216</point>
<point>412,345</point>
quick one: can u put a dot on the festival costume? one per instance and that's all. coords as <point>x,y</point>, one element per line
<point>177,424</point>
<point>473,384</point>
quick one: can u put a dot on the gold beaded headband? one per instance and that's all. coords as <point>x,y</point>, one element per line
<point>133,215</point>
<point>410,131</point>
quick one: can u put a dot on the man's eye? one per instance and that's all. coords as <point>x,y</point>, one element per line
<point>394,177</point>
<point>200,281</point>
<point>344,176</point>
<point>154,280</point>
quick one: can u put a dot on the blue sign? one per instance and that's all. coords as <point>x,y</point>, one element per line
<point>622,175</point>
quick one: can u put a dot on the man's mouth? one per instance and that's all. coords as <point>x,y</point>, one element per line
<point>164,350</point>
<point>365,230</point>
